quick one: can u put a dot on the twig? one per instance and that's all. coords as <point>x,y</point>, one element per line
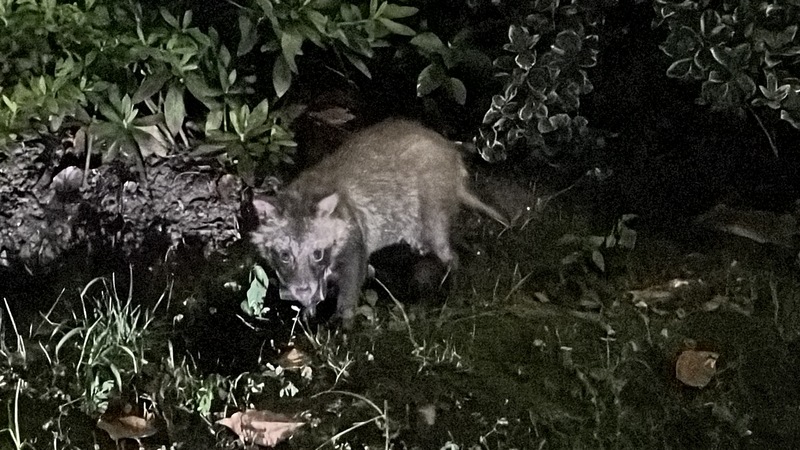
<point>89,140</point>
<point>769,136</point>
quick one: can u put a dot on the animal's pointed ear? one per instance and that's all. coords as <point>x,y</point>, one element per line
<point>265,208</point>
<point>327,205</point>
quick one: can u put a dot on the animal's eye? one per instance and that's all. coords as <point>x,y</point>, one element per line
<point>317,255</point>
<point>285,256</point>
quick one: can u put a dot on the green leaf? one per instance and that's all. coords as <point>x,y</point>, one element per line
<point>745,83</point>
<point>257,149</point>
<point>567,42</point>
<point>150,85</point>
<point>429,79</point>
<point>281,76</point>
<point>429,42</point>
<point>249,35</point>
<point>174,109</point>
<point>202,91</point>
<point>359,64</point>
<point>169,18</point>
<point>146,121</point>
<point>311,34</point>
<point>224,56</point>
<point>232,77</point>
<point>318,20</point>
<point>198,36</point>
<point>150,141</point>
<point>350,12</point>
<point>238,118</point>
<point>682,42</point>
<point>109,113</point>
<point>391,11</point>
<point>396,28</point>
<point>10,103</point>
<point>258,116</point>
<point>457,90</point>
<point>291,43</point>
<point>208,150</point>
<point>266,7</point>
<point>214,120</point>
<point>793,117</point>
<point>680,68</point>
<point>187,19</point>
<point>598,260</point>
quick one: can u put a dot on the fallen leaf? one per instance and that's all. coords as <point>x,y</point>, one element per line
<point>333,116</point>
<point>293,359</point>
<point>127,427</point>
<point>261,427</point>
<point>68,180</point>
<point>427,414</point>
<point>695,368</point>
<point>764,227</point>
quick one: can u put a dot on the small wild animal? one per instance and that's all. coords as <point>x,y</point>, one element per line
<point>394,182</point>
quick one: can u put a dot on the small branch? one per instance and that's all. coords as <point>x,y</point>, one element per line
<point>769,136</point>
<point>88,149</point>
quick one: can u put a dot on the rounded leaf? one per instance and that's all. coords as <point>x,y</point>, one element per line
<point>680,68</point>
<point>68,180</point>
<point>429,79</point>
<point>525,60</point>
<point>682,42</point>
<point>793,117</point>
<point>745,83</point>
<point>429,42</point>
<point>457,90</point>
<point>568,42</point>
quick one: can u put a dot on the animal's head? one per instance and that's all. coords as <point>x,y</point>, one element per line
<point>300,240</point>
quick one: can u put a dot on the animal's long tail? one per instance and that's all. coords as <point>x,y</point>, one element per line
<point>469,200</point>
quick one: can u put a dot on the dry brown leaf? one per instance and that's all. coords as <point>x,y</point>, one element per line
<point>261,427</point>
<point>333,116</point>
<point>293,359</point>
<point>427,414</point>
<point>127,427</point>
<point>760,226</point>
<point>696,368</point>
<point>658,294</point>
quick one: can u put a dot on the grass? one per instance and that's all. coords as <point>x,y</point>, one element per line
<point>543,343</point>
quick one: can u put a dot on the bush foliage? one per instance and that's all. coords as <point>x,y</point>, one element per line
<point>743,53</point>
<point>144,80</point>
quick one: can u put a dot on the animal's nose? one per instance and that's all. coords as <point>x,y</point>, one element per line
<point>302,290</point>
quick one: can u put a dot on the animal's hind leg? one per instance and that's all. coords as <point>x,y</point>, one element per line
<point>439,241</point>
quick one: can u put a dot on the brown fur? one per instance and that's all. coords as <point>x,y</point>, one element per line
<point>393,182</point>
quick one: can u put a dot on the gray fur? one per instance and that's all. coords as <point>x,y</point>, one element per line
<point>393,182</point>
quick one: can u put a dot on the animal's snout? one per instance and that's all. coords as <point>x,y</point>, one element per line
<point>302,291</point>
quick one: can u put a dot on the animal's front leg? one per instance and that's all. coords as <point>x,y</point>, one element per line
<point>352,273</point>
